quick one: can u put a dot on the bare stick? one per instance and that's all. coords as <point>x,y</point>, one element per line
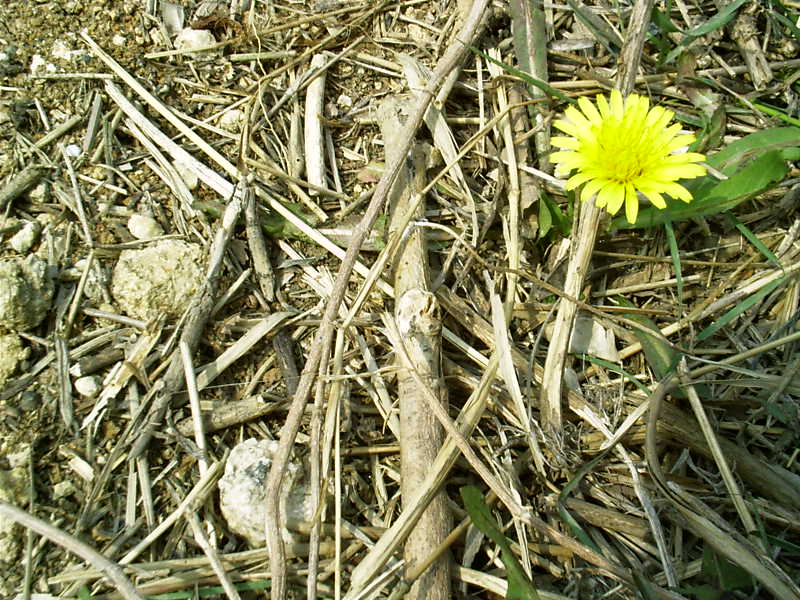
<point>77,547</point>
<point>258,250</point>
<point>25,180</point>
<point>212,555</point>
<point>194,403</point>
<point>418,318</point>
<point>199,311</point>
<point>315,157</point>
<point>449,61</point>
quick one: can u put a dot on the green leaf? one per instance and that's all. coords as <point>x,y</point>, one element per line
<point>660,355</point>
<point>519,586</point>
<point>701,592</point>
<point>729,575</point>
<point>664,23</point>
<point>545,217</point>
<point>713,131</point>
<point>737,310</point>
<point>740,150</point>
<point>714,198</point>
<point>550,212</point>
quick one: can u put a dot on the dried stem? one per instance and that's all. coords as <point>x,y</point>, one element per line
<point>324,336</point>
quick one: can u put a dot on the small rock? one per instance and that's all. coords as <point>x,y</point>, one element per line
<point>26,292</point>
<point>192,39</point>
<point>38,64</point>
<point>73,150</point>
<point>187,174</point>
<point>63,489</point>
<point>25,238</point>
<point>143,227</point>
<point>231,120</point>
<point>14,490</point>
<point>344,101</point>
<point>242,496</point>
<point>161,278</point>
<point>88,386</point>
<point>61,51</point>
<point>12,352</point>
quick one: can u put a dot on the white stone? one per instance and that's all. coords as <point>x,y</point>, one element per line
<point>73,150</point>
<point>159,279</point>
<point>63,489</point>
<point>187,174</point>
<point>62,51</point>
<point>231,120</point>
<point>38,64</point>
<point>143,227</point>
<point>345,101</point>
<point>88,386</point>
<point>25,238</point>
<point>242,491</point>
<point>193,39</point>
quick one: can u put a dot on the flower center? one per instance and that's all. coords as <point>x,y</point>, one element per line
<point>623,150</point>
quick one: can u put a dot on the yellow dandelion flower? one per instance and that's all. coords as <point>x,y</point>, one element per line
<point>622,147</point>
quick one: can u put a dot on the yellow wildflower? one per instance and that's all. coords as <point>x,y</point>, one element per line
<point>622,147</point>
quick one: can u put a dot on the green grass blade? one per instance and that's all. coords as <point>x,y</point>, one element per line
<point>525,77</point>
<point>737,310</point>
<point>751,237</point>
<point>676,258</point>
<point>566,516</point>
<point>718,20</point>
<point>601,31</point>
<point>519,586</point>
<point>777,113</point>
<point>616,369</point>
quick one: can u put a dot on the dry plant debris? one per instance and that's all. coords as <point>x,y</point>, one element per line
<point>334,228</point>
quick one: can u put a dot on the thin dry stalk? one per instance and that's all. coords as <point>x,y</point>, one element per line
<point>111,570</point>
<point>193,499</point>
<point>418,320</point>
<point>450,61</point>
<point>706,524</point>
<point>584,238</point>
<point>213,557</point>
<point>314,143</point>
